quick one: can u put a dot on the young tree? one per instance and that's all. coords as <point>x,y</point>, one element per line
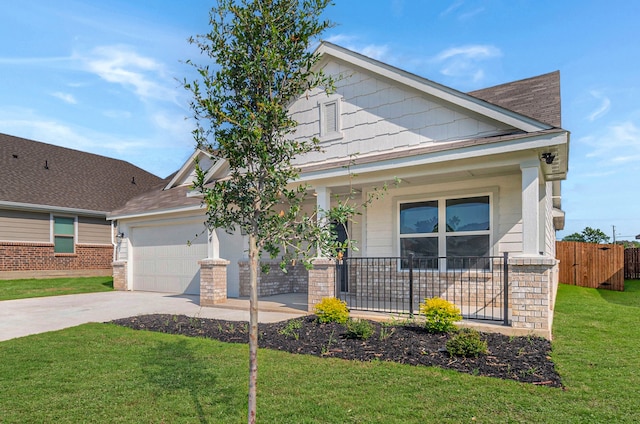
<point>261,61</point>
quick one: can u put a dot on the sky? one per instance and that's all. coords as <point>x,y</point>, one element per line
<point>106,77</point>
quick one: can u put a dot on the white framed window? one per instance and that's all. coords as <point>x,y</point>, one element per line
<point>330,118</point>
<point>64,234</point>
<point>455,228</point>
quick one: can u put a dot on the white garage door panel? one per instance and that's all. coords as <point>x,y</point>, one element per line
<point>162,260</point>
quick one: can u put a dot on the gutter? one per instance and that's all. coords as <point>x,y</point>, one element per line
<point>47,208</point>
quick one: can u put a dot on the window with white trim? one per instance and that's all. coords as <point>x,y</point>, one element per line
<point>330,122</point>
<point>64,234</point>
<point>465,236</point>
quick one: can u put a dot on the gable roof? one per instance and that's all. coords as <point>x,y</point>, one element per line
<point>465,100</point>
<point>44,175</point>
<point>536,97</point>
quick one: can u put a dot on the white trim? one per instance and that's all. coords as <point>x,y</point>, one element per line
<point>155,213</point>
<point>334,99</point>
<point>442,234</point>
<point>51,209</point>
<point>469,152</point>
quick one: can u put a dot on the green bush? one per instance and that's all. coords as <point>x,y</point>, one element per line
<point>331,309</point>
<point>359,329</point>
<point>440,315</point>
<point>466,342</point>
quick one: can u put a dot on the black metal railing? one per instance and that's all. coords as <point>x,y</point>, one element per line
<point>479,286</point>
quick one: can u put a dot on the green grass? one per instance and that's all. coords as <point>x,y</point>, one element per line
<point>103,373</point>
<point>21,289</point>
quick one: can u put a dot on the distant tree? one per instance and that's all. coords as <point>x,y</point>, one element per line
<point>588,235</point>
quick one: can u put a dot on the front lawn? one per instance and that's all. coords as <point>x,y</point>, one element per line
<point>21,289</point>
<point>107,373</point>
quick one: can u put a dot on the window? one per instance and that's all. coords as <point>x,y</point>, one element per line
<point>465,236</point>
<point>330,126</point>
<point>63,234</point>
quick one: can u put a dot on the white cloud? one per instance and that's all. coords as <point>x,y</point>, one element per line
<point>451,8</point>
<point>468,15</point>
<point>617,146</point>
<point>65,97</point>
<point>605,105</point>
<point>122,65</point>
<point>374,51</point>
<point>465,61</point>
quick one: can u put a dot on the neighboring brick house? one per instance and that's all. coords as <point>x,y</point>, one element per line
<point>53,207</point>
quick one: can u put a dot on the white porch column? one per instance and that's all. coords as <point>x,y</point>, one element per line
<point>323,203</point>
<point>213,245</point>
<point>530,208</point>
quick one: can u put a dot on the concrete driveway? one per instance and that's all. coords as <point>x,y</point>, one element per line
<point>23,317</point>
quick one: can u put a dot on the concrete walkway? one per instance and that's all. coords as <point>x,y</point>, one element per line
<point>24,317</point>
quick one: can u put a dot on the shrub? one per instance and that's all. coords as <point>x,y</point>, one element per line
<point>440,315</point>
<point>466,342</point>
<point>331,309</point>
<point>359,329</point>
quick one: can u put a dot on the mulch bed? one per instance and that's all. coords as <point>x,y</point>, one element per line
<point>524,359</point>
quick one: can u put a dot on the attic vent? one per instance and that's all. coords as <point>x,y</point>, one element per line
<point>15,156</point>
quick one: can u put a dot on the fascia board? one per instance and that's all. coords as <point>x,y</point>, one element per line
<point>184,169</point>
<point>510,146</point>
<point>220,167</point>
<point>155,213</point>
<point>55,209</point>
<point>434,89</point>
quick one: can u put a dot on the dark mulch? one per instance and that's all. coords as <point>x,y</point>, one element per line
<point>524,359</point>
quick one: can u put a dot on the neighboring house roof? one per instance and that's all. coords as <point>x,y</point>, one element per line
<point>41,174</point>
<point>535,97</point>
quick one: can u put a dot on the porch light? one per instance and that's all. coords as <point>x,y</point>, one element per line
<point>548,158</point>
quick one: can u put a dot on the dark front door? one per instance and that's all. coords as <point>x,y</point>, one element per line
<point>341,270</point>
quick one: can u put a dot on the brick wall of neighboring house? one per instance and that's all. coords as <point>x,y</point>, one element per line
<point>23,256</point>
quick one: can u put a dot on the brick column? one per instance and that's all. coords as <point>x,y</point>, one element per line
<point>119,275</point>
<point>213,281</point>
<point>322,281</point>
<point>532,294</point>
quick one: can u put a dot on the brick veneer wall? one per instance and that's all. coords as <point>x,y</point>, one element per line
<point>23,256</point>
<point>213,281</point>
<point>534,283</point>
<point>275,281</point>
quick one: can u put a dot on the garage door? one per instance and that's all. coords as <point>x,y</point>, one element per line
<point>162,260</point>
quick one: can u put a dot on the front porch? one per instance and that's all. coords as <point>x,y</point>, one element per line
<point>514,294</point>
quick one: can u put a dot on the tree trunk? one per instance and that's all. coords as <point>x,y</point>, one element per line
<point>253,327</point>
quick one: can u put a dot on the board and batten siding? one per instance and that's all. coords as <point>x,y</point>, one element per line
<point>382,219</point>
<point>23,226</point>
<point>94,230</point>
<point>378,116</point>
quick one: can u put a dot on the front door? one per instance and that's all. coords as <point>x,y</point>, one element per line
<point>341,270</point>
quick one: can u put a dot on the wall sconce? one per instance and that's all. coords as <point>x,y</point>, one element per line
<point>120,236</point>
<point>548,158</point>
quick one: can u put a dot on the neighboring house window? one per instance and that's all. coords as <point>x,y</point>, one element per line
<point>330,125</point>
<point>63,234</point>
<point>467,232</point>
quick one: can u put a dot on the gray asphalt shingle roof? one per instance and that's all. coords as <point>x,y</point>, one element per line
<point>43,174</point>
<point>537,97</point>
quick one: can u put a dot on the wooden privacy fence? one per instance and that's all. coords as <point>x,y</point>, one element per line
<point>632,264</point>
<point>592,265</point>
